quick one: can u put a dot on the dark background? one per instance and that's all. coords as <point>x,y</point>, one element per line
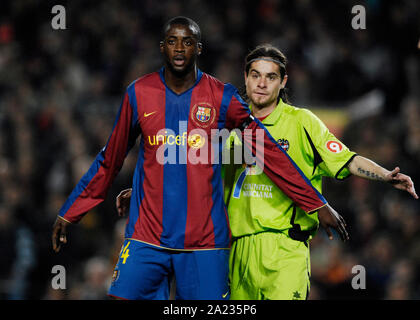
<point>60,91</point>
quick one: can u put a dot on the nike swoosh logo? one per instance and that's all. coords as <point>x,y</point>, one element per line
<point>225,295</point>
<point>149,114</point>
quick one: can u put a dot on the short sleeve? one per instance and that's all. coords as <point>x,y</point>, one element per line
<point>335,154</point>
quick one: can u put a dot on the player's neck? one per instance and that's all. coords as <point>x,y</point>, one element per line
<point>262,111</point>
<point>180,83</point>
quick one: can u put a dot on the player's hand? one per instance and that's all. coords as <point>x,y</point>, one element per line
<point>401,181</point>
<point>329,218</point>
<point>59,235</point>
<point>123,202</point>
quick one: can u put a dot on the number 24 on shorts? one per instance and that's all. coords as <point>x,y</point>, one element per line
<point>125,251</point>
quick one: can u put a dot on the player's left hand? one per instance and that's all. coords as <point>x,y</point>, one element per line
<point>329,218</point>
<point>123,202</point>
<point>401,181</point>
<point>59,234</point>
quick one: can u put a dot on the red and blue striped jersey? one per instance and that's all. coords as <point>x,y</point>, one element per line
<point>177,198</point>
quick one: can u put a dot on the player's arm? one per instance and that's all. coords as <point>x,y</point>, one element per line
<point>365,168</point>
<point>94,185</point>
<point>274,161</point>
<point>339,162</point>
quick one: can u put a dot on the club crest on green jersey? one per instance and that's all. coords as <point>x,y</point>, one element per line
<point>284,143</point>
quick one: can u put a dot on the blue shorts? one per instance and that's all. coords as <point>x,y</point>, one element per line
<point>144,272</point>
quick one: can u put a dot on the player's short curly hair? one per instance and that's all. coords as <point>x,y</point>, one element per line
<point>184,21</point>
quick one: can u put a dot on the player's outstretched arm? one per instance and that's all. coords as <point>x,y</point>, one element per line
<point>329,218</point>
<point>365,168</point>
<point>59,233</point>
<point>122,202</point>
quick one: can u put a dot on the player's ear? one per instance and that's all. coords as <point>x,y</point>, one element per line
<point>245,76</point>
<point>161,46</point>
<point>199,48</point>
<point>284,81</point>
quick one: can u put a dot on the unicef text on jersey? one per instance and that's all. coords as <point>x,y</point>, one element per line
<point>199,146</point>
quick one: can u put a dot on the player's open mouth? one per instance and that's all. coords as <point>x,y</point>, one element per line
<point>179,60</point>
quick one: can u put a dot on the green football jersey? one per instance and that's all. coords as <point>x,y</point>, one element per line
<point>255,203</point>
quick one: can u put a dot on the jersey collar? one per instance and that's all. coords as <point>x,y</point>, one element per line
<point>162,78</point>
<point>275,115</point>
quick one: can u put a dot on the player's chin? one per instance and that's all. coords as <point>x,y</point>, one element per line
<point>259,100</point>
<point>179,68</point>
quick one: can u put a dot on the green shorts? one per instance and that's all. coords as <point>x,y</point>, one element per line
<point>269,266</point>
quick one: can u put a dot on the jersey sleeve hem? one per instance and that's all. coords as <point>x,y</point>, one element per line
<point>315,210</point>
<point>337,175</point>
<point>65,219</point>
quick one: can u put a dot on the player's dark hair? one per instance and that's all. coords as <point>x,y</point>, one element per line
<point>269,51</point>
<point>184,21</point>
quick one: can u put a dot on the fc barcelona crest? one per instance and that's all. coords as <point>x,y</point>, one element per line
<point>203,114</point>
<point>115,275</point>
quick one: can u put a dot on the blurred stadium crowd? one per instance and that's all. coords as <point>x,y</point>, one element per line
<point>60,91</point>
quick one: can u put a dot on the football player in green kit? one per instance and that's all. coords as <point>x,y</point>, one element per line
<point>269,256</point>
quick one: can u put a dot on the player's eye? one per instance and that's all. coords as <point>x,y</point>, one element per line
<point>170,42</point>
<point>188,42</point>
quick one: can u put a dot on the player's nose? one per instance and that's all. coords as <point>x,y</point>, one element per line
<point>262,83</point>
<point>179,46</point>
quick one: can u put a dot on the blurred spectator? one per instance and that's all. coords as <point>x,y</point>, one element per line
<point>95,282</point>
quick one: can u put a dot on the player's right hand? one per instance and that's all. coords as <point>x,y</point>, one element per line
<point>123,202</point>
<point>59,235</point>
<point>329,218</point>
